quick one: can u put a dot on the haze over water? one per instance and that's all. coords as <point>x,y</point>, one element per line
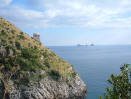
<point>95,64</point>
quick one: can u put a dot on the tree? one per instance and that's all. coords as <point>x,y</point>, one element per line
<point>120,85</point>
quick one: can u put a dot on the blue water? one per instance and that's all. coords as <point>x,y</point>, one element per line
<point>95,64</point>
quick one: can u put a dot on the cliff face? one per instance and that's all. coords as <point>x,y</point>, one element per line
<point>28,70</point>
<point>50,89</point>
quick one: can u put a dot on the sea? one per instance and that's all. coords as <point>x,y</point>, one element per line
<point>95,64</point>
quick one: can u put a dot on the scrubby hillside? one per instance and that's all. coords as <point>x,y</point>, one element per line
<point>30,55</point>
<point>25,61</point>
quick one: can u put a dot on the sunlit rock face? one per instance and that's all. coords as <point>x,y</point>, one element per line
<point>49,89</point>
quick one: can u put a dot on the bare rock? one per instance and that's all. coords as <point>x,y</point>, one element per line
<point>50,89</point>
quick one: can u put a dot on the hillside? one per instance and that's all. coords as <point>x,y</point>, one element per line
<point>25,62</point>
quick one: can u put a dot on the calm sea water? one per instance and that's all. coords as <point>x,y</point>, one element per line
<point>95,64</point>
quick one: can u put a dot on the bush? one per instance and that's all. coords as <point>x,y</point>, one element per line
<point>121,85</point>
<point>21,33</point>
<point>29,60</point>
<point>73,74</point>
<point>13,36</point>
<point>13,31</point>
<point>3,33</point>
<point>47,64</point>
<point>9,38</point>
<point>35,47</point>
<point>3,42</point>
<point>54,74</point>
<point>29,53</point>
<point>17,44</point>
<point>21,37</point>
<point>45,54</point>
<point>42,76</point>
<point>25,64</point>
<point>10,42</point>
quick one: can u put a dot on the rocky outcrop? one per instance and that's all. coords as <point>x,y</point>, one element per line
<point>49,89</point>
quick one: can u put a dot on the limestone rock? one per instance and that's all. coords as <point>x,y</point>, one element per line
<point>50,89</point>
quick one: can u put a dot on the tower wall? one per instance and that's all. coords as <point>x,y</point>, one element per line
<point>36,36</point>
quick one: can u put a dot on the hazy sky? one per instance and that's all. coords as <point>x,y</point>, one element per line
<point>69,22</point>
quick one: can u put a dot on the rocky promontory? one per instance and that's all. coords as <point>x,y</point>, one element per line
<point>29,70</point>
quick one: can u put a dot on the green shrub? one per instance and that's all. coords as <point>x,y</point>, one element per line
<point>7,28</point>
<point>24,64</point>
<point>45,54</point>
<point>21,33</point>
<point>3,42</point>
<point>21,37</point>
<point>9,38</point>
<point>120,85</point>
<point>17,44</point>
<point>35,47</point>
<point>13,36</point>
<point>42,76</point>
<point>54,74</point>
<point>29,60</point>
<point>73,74</point>
<point>10,42</point>
<point>13,31</point>
<point>29,53</point>
<point>47,64</point>
<point>3,33</point>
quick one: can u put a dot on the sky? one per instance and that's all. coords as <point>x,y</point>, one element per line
<point>71,22</point>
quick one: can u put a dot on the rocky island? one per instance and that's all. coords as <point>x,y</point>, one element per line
<point>29,70</point>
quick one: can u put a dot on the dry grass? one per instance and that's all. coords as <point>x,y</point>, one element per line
<point>56,63</point>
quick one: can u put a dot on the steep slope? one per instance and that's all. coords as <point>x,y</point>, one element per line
<point>29,70</point>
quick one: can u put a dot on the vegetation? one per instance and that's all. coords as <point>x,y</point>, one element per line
<point>73,74</point>
<point>54,74</point>
<point>30,56</point>
<point>17,44</point>
<point>13,31</point>
<point>3,33</point>
<point>22,58</point>
<point>6,77</point>
<point>120,85</point>
<point>29,60</point>
<point>21,37</point>
<point>47,64</point>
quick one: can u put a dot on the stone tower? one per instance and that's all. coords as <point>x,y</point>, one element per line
<point>36,37</point>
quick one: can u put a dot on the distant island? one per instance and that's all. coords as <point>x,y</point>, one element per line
<point>92,45</point>
<point>85,45</point>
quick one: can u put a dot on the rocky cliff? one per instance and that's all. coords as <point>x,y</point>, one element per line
<point>29,70</point>
<point>49,89</point>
